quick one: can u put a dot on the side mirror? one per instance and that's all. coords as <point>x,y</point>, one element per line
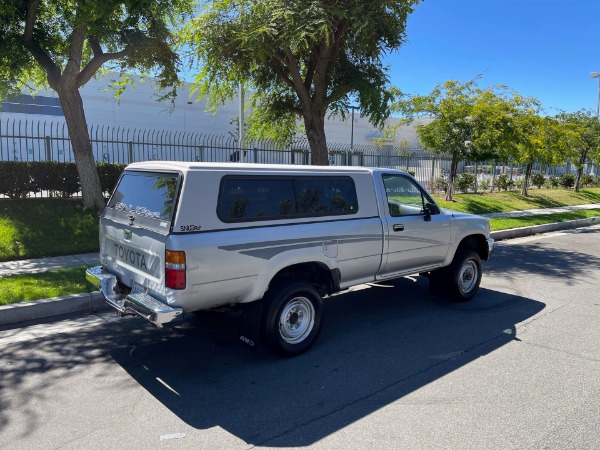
<point>428,211</point>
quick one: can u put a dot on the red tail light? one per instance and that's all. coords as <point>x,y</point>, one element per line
<point>175,277</point>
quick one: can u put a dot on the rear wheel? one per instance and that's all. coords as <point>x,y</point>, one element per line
<point>292,317</point>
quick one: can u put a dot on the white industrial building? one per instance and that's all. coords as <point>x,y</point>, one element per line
<point>139,109</point>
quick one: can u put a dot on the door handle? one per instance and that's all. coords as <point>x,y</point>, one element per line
<point>398,227</point>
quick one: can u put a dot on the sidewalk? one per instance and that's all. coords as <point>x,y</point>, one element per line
<point>537,212</point>
<point>47,264</point>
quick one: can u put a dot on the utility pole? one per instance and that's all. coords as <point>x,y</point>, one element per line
<point>352,127</point>
<point>242,122</point>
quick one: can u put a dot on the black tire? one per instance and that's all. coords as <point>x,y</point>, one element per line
<point>292,317</point>
<point>464,275</point>
<point>460,280</point>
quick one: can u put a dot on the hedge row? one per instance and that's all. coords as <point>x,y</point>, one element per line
<point>18,178</point>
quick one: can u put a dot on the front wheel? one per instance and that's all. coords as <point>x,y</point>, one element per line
<point>292,318</point>
<point>460,280</point>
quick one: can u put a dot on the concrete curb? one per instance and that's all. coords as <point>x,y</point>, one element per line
<point>537,229</point>
<point>49,307</point>
<point>94,301</point>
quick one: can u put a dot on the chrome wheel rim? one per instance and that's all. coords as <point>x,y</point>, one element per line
<point>467,278</point>
<point>296,320</point>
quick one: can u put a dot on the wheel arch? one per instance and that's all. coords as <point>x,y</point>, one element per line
<point>324,279</point>
<point>475,242</point>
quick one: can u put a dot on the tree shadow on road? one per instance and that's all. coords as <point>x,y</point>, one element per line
<point>540,259</point>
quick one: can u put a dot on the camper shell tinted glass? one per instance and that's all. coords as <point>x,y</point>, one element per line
<point>251,198</point>
<point>145,196</point>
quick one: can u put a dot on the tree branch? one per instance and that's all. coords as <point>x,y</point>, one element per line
<point>73,66</point>
<point>97,61</point>
<point>319,78</point>
<point>44,60</point>
<point>336,46</point>
<point>292,65</point>
<point>279,71</point>
<point>310,70</point>
<point>95,45</point>
<point>33,46</point>
<point>32,10</point>
<point>338,93</point>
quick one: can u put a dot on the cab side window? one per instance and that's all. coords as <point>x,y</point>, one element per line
<point>406,198</point>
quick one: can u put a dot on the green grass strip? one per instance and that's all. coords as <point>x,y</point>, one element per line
<point>36,228</point>
<point>35,286</point>
<point>542,219</point>
<point>495,202</point>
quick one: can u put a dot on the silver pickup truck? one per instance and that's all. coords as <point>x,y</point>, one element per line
<point>177,237</point>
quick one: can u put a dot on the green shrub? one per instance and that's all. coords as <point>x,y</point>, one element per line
<point>551,182</point>
<point>566,180</point>
<point>67,180</point>
<point>538,180</point>
<point>16,180</point>
<point>44,173</point>
<point>587,180</point>
<point>504,183</point>
<point>465,182</point>
<point>440,185</point>
<point>109,175</point>
<point>485,185</point>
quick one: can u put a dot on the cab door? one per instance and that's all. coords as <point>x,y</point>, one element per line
<point>417,231</point>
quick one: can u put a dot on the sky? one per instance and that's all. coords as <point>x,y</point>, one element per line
<point>541,48</point>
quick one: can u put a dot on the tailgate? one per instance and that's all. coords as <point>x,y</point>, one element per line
<point>134,228</point>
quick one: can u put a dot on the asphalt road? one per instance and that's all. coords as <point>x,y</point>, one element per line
<point>394,367</point>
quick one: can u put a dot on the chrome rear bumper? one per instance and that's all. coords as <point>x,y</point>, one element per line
<point>140,304</point>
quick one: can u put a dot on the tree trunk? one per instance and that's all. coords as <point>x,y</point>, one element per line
<point>524,189</point>
<point>314,124</point>
<point>72,106</point>
<point>452,177</point>
<point>580,166</point>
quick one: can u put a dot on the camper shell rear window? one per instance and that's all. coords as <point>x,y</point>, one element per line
<point>146,195</point>
<point>252,198</point>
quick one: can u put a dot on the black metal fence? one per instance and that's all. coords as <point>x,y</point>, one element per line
<point>27,140</point>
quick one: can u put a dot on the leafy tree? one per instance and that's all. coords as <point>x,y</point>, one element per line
<point>300,58</point>
<point>584,129</point>
<point>468,123</point>
<point>64,43</point>
<point>537,139</point>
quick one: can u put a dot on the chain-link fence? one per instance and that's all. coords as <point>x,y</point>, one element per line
<point>27,140</point>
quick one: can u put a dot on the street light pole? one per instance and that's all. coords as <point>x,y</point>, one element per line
<point>352,127</point>
<point>597,75</point>
<point>242,122</point>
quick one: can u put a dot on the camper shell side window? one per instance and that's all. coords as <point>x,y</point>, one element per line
<point>253,198</point>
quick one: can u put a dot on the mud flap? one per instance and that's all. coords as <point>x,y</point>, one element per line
<point>249,329</point>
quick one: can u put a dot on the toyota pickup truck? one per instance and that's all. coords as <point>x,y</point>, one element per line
<point>274,240</point>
